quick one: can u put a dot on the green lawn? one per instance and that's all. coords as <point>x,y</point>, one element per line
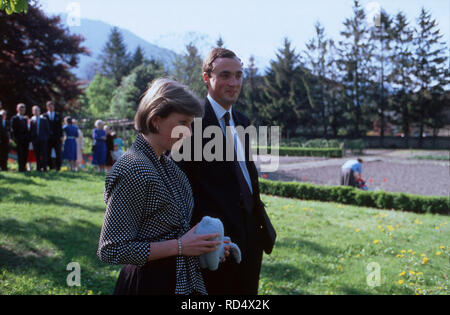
<point>48,221</point>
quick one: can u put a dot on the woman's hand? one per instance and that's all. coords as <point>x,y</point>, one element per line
<point>194,245</point>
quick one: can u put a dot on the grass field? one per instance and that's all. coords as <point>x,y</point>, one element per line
<point>48,221</point>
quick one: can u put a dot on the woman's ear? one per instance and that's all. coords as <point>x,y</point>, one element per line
<point>156,120</point>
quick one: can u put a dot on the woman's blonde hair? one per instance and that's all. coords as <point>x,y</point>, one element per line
<point>162,98</point>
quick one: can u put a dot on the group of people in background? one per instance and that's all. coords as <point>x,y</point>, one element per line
<point>44,139</point>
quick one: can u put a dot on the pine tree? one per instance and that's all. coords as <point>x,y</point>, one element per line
<point>381,37</point>
<point>401,59</point>
<point>355,58</point>
<point>188,70</point>
<point>315,80</point>
<point>431,73</point>
<point>284,94</point>
<point>138,58</point>
<point>220,43</point>
<point>251,92</point>
<point>115,60</point>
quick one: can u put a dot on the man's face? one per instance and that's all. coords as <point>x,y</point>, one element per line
<point>50,107</point>
<point>36,111</point>
<point>21,110</point>
<point>225,82</point>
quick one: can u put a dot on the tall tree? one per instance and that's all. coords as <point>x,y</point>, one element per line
<point>317,61</point>
<point>355,58</point>
<point>381,37</point>
<point>284,92</point>
<point>188,70</point>
<point>402,63</point>
<point>251,92</point>
<point>115,61</point>
<point>126,97</point>
<point>99,94</point>
<point>138,58</point>
<point>431,72</point>
<point>36,56</point>
<point>220,43</point>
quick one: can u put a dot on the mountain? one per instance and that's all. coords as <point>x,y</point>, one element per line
<point>96,33</point>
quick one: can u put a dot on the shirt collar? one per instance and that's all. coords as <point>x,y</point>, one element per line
<point>218,109</point>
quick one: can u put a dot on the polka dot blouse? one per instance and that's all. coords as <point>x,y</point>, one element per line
<point>148,199</point>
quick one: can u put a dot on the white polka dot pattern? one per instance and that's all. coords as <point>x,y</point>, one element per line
<point>148,199</point>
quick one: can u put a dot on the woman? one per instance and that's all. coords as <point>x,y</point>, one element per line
<point>80,145</point>
<point>109,147</point>
<point>70,143</point>
<point>99,148</point>
<point>149,203</point>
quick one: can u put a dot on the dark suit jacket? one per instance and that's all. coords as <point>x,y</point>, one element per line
<point>19,130</point>
<point>4,131</point>
<point>44,129</point>
<point>55,125</point>
<point>217,191</point>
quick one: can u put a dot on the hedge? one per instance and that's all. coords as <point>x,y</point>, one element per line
<point>357,197</point>
<point>293,151</point>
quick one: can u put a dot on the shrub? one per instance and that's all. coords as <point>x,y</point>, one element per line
<point>354,196</point>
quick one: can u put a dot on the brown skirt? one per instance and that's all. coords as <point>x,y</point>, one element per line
<point>154,278</point>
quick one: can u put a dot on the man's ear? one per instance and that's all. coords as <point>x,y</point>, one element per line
<point>206,78</point>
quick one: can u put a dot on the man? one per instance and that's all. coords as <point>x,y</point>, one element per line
<point>20,134</point>
<point>229,190</point>
<point>4,140</point>
<point>55,139</point>
<point>351,172</point>
<point>40,133</point>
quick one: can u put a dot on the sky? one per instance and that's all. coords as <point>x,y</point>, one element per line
<point>248,27</point>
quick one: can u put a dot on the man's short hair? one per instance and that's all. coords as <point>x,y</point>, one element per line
<point>20,105</point>
<point>163,98</point>
<point>49,103</point>
<point>214,54</point>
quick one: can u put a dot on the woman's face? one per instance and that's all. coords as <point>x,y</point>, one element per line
<point>172,129</point>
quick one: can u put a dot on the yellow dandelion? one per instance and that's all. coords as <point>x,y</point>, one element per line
<point>442,247</point>
<point>376,241</point>
<point>411,284</point>
<point>399,256</point>
<point>410,251</point>
<point>390,237</point>
<point>412,272</point>
<point>390,228</point>
<point>358,255</point>
<point>403,251</point>
<point>436,228</point>
<point>422,255</point>
<point>419,273</point>
<point>382,230</point>
<point>438,253</point>
<point>402,273</point>
<point>339,268</point>
<point>358,229</point>
<point>425,261</point>
<point>400,281</point>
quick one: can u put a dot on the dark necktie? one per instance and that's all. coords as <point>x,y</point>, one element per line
<point>247,197</point>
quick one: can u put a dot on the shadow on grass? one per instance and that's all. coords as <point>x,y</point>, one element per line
<point>23,196</point>
<point>295,277</point>
<point>70,242</point>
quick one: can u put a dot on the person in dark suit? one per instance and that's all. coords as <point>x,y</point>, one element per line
<point>229,190</point>
<point>20,134</point>
<point>40,133</point>
<point>4,140</point>
<point>56,135</point>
